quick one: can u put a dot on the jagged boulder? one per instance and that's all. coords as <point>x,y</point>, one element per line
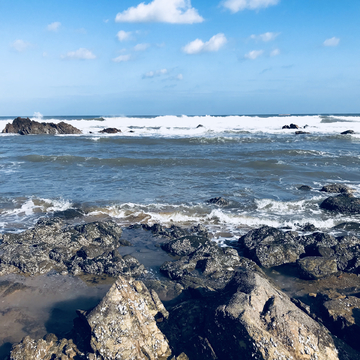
<point>270,247</point>
<point>317,267</point>
<point>336,188</point>
<point>25,126</point>
<point>123,325</point>
<point>249,319</point>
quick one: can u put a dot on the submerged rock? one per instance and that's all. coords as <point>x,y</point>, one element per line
<point>301,133</point>
<point>218,201</point>
<point>89,248</point>
<point>123,325</point>
<point>348,132</point>
<point>304,188</point>
<point>344,204</point>
<point>270,247</point>
<point>25,126</point>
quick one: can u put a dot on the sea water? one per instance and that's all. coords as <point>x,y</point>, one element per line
<point>163,169</point>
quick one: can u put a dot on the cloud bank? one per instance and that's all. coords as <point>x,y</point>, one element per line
<point>122,58</point>
<point>198,46</point>
<point>81,54</point>
<point>334,41</point>
<point>238,5</point>
<point>166,11</point>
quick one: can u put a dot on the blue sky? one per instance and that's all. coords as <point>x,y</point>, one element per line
<point>179,57</point>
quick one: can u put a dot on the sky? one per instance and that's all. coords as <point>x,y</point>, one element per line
<point>191,57</point>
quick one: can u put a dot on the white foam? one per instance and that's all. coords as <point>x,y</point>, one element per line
<point>212,126</point>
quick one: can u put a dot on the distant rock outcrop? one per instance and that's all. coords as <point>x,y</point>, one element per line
<point>110,131</point>
<point>291,126</point>
<point>25,126</point>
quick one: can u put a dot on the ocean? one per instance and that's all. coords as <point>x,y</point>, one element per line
<point>164,169</point>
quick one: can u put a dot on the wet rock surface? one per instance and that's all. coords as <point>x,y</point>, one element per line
<point>291,126</point>
<point>344,204</point>
<point>89,248</point>
<point>110,131</point>
<point>336,188</point>
<point>218,201</point>
<point>218,303</point>
<point>270,247</point>
<point>25,126</point>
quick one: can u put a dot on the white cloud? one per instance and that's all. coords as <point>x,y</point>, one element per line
<point>20,45</point>
<point>180,77</point>
<point>252,55</point>
<point>152,74</point>
<point>54,26</point>
<point>275,52</point>
<point>124,35</point>
<point>141,47</point>
<point>82,54</point>
<point>167,11</point>
<point>334,41</point>
<point>122,58</point>
<point>268,36</point>
<point>198,46</point>
<point>238,5</point>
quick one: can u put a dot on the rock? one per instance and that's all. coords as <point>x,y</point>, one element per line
<point>199,126</point>
<point>344,204</point>
<point>184,246</point>
<point>88,248</point>
<point>304,188</point>
<point>110,131</point>
<point>123,325</point>
<point>347,132</point>
<point>341,316</point>
<point>309,227</point>
<point>301,133</point>
<point>316,267</point>
<point>208,266</point>
<point>26,126</point>
<point>270,247</point>
<point>249,319</point>
<point>218,201</point>
<point>176,232</point>
<point>44,349</point>
<point>336,188</point>
<point>291,126</point>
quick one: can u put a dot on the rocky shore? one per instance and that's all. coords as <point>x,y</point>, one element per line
<point>208,302</point>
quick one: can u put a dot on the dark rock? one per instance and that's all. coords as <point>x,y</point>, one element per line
<point>317,239</point>
<point>316,267</point>
<point>199,126</point>
<point>176,232</point>
<point>271,247</point>
<point>291,126</point>
<point>301,133</point>
<point>218,201</point>
<point>347,132</point>
<point>207,266</point>
<point>348,226</point>
<point>88,248</point>
<point>341,316</point>
<point>309,227</point>
<point>336,188</point>
<point>344,204</point>
<point>69,214</point>
<point>110,131</point>
<point>248,319</point>
<point>305,188</point>
<point>26,126</point>
<point>184,246</point>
